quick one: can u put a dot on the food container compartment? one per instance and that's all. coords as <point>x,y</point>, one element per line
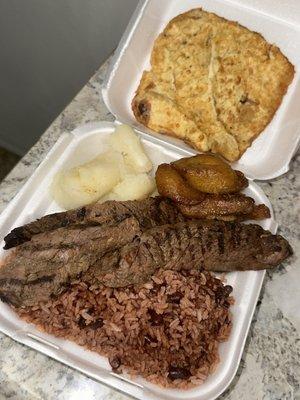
<point>271,152</point>
<point>34,201</point>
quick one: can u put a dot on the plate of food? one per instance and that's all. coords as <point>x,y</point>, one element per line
<point>136,262</point>
<point>218,76</point>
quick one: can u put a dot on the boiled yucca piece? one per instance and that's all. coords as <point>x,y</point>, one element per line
<point>88,182</point>
<point>133,187</point>
<point>126,141</point>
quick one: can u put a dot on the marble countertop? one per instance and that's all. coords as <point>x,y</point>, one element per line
<point>270,367</point>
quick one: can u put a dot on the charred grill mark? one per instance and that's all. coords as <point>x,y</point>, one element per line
<point>172,245</point>
<point>177,237</point>
<point>202,241</point>
<point>37,281</point>
<point>145,221</point>
<point>81,213</point>
<point>65,222</point>
<point>209,242</point>
<point>43,279</point>
<point>158,248</point>
<point>15,237</point>
<point>5,298</point>
<point>234,235</point>
<point>121,217</point>
<point>221,244</point>
<point>183,246</point>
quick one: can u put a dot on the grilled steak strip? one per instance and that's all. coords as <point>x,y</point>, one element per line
<point>59,247</point>
<point>211,245</point>
<point>126,254</point>
<point>47,264</point>
<point>149,213</point>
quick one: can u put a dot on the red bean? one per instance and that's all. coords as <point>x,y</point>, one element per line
<point>115,363</point>
<point>178,373</point>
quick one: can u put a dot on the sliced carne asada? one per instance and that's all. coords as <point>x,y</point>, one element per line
<point>47,264</point>
<point>150,212</point>
<point>208,244</point>
<point>129,253</point>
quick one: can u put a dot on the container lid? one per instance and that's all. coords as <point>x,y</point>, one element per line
<point>270,154</point>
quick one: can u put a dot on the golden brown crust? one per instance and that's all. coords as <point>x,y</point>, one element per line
<point>213,83</point>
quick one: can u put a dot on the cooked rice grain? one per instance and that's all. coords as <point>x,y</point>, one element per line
<point>167,330</point>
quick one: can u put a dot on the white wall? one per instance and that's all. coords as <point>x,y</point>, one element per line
<point>48,51</point>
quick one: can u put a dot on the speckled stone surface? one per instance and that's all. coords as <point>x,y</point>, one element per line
<point>270,367</point>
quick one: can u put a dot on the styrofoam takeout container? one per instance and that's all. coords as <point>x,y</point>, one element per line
<point>279,23</point>
<point>34,201</point>
<point>268,157</point>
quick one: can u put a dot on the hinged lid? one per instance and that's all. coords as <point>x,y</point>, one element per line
<point>270,154</point>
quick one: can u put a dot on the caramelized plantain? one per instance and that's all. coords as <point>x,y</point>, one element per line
<point>221,206</point>
<point>242,181</point>
<point>199,159</point>
<point>170,184</point>
<point>210,174</point>
<point>204,186</point>
<point>260,211</point>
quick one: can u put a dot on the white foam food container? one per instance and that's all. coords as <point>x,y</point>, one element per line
<point>34,201</point>
<point>278,22</point>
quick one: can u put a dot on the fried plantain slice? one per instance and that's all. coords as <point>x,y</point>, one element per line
<point>219,206</point>
<point>172,185</point>
<point>210,174</point>
<point>242,181</point>
<point>260,211</point>
<point>199,159</point>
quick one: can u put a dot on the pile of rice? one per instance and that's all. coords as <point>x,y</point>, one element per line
<point>167,330</point>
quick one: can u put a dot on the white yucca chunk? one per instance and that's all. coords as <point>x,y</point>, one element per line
<point>86,183</point>
<point>113,157</point>
<point>133,187</point>
<point>125,140</point>
<point>68,191</point>
<point>100,175</point>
